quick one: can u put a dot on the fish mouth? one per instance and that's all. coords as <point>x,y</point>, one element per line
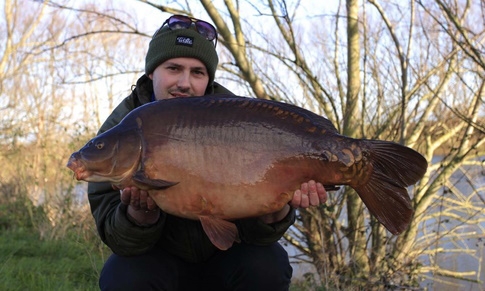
<point>89,171</point>
<point>77,167</point>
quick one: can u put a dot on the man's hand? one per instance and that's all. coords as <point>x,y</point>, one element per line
<point>310,194</point>
<point>141,207</point>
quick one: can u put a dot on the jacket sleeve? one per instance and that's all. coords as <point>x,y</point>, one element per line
<point>121,235</point>
<point>115,229</point>
<point>254,231</point>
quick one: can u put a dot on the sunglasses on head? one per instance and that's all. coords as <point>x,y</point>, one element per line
<point>204,28</point>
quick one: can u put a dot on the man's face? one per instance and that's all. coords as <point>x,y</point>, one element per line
<point>180,77</point>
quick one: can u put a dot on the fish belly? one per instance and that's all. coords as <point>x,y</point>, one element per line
<point>228,183</point>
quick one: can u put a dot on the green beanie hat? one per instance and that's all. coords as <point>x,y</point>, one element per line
<point>168,44</point>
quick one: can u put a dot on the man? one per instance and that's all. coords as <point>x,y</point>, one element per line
<point>157,251</point>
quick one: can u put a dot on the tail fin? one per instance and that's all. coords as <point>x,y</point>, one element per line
<point>395,167</point>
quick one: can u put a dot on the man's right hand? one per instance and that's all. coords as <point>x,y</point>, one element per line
<point>141,207</point>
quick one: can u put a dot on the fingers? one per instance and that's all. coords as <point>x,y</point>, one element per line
<point>309,194</point>
<point>305,202</point>
<point>143,199</point>
<point>322,193</point>
<point>312,193</point>
<point>137,199</point>
<point>296,201</point>
<point>125,196</point>
<point>151,205</point>
<point>300,197</point>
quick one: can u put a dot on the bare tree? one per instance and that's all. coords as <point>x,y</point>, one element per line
<point>50,97</point>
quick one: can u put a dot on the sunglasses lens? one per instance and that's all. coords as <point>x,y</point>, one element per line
<point>179,22</point>
<point>206,29</point>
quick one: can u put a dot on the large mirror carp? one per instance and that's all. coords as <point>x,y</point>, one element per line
<point>219,158</point>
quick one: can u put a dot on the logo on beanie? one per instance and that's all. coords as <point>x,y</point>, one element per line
<point>184,40</point>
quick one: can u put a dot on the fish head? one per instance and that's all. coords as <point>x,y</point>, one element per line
<point>112,157</point>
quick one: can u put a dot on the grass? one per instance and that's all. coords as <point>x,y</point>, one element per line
<point>71,263</point>
<point>29,263</point>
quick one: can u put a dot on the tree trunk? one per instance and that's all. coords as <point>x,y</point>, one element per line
<point>356,233</point>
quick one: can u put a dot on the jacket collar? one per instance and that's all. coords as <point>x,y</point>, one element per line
<point>143,90</point>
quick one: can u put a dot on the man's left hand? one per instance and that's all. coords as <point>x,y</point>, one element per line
<point>310,194</point>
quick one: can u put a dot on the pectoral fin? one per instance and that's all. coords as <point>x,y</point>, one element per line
<point>141,178</point>
<point>222,233</point>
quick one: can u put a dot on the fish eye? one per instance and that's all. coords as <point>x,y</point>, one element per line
<point>99,145</point>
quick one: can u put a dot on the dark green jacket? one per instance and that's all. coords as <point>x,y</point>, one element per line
<point>182,237</point>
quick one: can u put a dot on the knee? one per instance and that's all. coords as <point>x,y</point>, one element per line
<point>132,273</point>
<point>271,261</point>
<point>262,268</point>
<point>117,274</point>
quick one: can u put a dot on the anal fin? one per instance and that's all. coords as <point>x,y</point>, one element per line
<point>222,233</point>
